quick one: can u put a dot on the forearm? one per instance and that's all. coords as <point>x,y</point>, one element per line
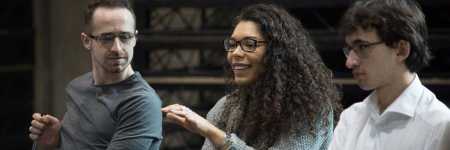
<point>216,136</point>
<point>220,140</point>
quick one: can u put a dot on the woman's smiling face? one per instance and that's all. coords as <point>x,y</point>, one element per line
<point>246,66</point>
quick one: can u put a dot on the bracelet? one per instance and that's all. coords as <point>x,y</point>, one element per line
<point>228,141</point>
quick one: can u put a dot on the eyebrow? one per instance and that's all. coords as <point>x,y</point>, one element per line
<point>357,41</point>
<point>246,37</point>
<point>124,32</point>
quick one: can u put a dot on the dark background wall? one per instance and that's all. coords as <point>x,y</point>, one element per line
<point>179,52</point>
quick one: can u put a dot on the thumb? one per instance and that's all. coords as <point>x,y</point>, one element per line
<point>51,120</point>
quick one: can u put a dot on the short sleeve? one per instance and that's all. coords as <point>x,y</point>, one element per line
<point>139,124</point>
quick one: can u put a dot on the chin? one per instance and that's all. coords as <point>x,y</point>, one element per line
<point>365,86</point>
<point>116,69</point>
<point>243,81</point>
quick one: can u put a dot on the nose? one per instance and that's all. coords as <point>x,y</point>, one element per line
<point>238,51</point>
<point>352,60</point>
<point>116,45</point>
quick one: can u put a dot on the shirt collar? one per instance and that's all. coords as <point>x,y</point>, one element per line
<point>407,102</point>
<point>131,79</point>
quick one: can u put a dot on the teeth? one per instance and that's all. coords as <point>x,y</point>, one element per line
<point>239,67</point>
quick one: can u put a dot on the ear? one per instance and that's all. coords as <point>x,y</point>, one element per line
<point>135,38</point>
<point>87,42</point>
<point>403,50</point>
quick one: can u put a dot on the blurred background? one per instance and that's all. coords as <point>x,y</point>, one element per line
<point>179,52</point>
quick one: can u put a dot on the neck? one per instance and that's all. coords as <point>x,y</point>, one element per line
<point>387,94</point>
<point>102,77</point>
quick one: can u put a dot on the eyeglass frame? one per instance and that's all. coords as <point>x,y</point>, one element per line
<point>115,35</point>
<point>358,49</point>
<point>239,43</point>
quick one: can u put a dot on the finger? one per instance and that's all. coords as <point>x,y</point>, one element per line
<point>172,107</point>
<point>39,117</point>
<point>35,131</point>
<point>178,106</point>
<point>33,137</point>
<point>173,118</point>
<point>167,108</point>
<point>36,116</point>
<point>37,124</point>
<point>180,113</point>
<point>50,119</point>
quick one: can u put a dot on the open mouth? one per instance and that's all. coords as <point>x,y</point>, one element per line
<point>240,66</point>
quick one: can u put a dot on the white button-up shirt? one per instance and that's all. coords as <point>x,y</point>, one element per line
<point>416,120</point>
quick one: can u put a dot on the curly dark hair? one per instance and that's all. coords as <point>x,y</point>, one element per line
<point>393,20</point>
<point>294,91</point>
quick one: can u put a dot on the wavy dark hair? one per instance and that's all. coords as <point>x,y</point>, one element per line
<point>294,91</point>
<point>393,20</point>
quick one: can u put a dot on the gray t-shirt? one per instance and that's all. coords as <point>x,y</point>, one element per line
<point>119,116</point>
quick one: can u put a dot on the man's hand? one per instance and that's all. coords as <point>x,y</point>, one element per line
<point>45,130</point>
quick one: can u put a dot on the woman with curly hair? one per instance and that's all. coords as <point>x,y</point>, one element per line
<point>284,97</point>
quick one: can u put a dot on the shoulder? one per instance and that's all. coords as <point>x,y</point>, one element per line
<point>142,100</point>
<point>432,110</point>
<point>139,91</point>
<point>139,86</point>
<point>135,95</point>
<point>142,109</point>
<point>216,111</point>
<point>138,99</point>
<point>82,81</point>
<point>147,95</point>
<point>354,110</point>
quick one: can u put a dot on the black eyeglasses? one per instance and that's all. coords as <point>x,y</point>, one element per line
<point>247,44</point>
<point>107,39</point>
<point>359,49</point>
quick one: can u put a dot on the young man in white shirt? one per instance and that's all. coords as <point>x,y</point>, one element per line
<point>385,47</point>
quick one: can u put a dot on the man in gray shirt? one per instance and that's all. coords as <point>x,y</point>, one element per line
<point>111,107</point>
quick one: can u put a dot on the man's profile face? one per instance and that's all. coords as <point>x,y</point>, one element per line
<point>372,66</point>
<point>113,39</point>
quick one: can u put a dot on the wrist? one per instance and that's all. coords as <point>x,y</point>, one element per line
<point>227,142</point>
<point>55,142</point>
<point>216,136</point>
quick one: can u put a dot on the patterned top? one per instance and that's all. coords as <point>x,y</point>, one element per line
<point>290,141</point>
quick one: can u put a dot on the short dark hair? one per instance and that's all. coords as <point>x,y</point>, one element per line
<point>94,4</point>
<point>393,20</point>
